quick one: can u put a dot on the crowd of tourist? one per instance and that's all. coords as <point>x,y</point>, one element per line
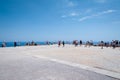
<point>113,43</point>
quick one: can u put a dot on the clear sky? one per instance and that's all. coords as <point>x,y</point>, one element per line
<point>42,20</point>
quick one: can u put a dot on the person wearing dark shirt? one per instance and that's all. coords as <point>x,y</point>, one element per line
<point>80,42</point>
<point>15,44</point>
<point>63,43</point>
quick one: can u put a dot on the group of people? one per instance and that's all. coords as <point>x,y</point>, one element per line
<point>31,43</point>
<point>61,42</point>
<point>76,43</point>
<point>88,43</point>
<point>15,44</point>
<point>113,43</point>
<point>4,44</point>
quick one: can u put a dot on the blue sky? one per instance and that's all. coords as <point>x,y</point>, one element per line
<point>42,20</point>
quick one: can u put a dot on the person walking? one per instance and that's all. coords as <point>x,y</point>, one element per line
<point>63,43</point>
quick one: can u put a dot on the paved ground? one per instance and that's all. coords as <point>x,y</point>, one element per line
<point>15,66</point>
<point>58,63</point>
<point>107,58</point>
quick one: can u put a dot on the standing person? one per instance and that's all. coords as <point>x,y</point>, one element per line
<point>47,42</point>
<point>80,42</point>
<point>113,44</point>
<point>32,43</point>
<point>102,44</point>
<point>59,43</point>
<point>105,44</point>
<point>87,44</point>
<point>63,43</point>
<point>15,44</point>
<point>3,44</point>
<point>76,43</point>
<point>91,43</point>
<point>116,43</point>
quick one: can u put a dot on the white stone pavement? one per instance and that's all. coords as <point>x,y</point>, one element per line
<point>104,61</point>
